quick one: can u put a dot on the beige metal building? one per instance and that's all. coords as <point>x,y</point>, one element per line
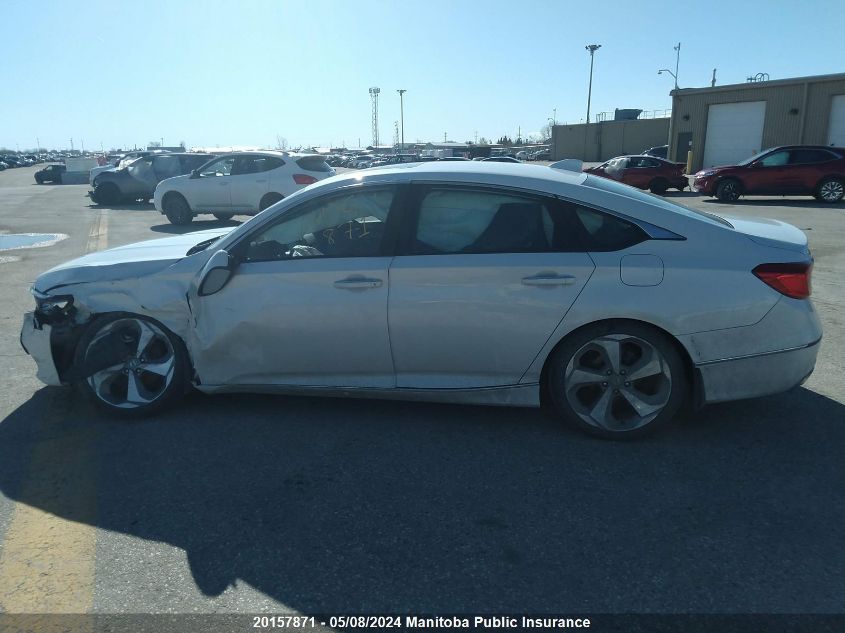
<point>606,139</point>
<point>726,124</point>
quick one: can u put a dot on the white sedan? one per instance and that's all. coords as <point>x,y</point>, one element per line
<point>474,282</point>
<point>241,183</point>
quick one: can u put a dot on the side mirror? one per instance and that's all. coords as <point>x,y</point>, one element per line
<point>195,173</point>
<point>216,273</point>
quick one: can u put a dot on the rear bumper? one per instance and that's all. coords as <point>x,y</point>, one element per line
<point>756,375</point>
<point>35,340</point>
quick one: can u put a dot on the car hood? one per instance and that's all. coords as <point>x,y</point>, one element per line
<point>133,260</point>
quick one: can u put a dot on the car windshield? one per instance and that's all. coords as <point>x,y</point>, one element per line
<point>631,192</point>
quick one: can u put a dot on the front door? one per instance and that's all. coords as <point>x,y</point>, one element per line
<point>770,175</point>
<point>307,305</point>
<point>211,190</point>
<point>250,181</point>
<point>482,280</point>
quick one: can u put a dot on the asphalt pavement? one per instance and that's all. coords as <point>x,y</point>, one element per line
<point>255,503</point>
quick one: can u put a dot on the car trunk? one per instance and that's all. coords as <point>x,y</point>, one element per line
<point>771,233</point>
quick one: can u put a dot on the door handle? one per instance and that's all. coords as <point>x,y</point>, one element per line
<point>549,280</point>
<point>357,282</point>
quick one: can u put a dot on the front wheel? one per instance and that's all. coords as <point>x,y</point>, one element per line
<point>617,380</point>
<point>830,190</point>
<point>131,365</point>
<point>107,193</point>
<point>728,190</point>
<point>177,210</point>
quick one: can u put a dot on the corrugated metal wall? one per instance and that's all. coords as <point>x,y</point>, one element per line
<point>600,141</point>
<point>796,113</point>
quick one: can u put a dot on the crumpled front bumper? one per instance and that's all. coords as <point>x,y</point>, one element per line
<point>35,340</point>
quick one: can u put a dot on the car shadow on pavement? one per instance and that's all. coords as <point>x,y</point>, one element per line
<point>124,206</point>
<point>196,225</point>
<point>807,203</point>
<point>336,505</point>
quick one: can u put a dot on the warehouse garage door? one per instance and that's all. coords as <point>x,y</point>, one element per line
<point>836,129</point>
<point>734,132</point>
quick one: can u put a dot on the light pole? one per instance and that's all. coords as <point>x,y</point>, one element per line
<point>666,70</point>
<point>592,48</point>
<point>402,116</point>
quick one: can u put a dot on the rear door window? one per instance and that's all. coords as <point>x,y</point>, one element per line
<point>807,156</point>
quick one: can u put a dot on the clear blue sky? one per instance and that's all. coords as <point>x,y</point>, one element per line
<point>242,72</point>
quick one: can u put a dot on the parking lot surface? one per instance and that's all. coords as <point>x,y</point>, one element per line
<point>258,503</point>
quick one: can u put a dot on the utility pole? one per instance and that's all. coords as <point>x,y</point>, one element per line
<point>592,48</point>
<point>713,81</point>
<point>554,116</point>
<point>374,93</point>
<point>71,144</point>
<point>38,143</point>
<point>402,114</point>
<point>444,137</point>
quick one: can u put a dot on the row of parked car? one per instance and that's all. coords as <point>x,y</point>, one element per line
<point>186,184</point>
<point>811,170</point>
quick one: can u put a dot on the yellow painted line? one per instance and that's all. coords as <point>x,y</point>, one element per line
<point>49,552</point>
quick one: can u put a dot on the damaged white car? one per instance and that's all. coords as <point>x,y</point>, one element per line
<point>474,282</point>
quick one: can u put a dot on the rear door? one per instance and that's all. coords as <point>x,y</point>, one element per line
<point>482,279</point>
<point>807,167</point>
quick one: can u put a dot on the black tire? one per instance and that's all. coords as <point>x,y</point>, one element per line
<point>830,190</point>
<point>107,193</point>
<point>112,340</point>
<point>729,190</point>
<point>224,217</point>
<point>177,210</point>
<point>269,199</point>
<point>666,389</point>
<point>39,180</point>
<point>658,186</point>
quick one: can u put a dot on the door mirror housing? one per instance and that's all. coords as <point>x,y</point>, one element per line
<point>216,273</point>
<point>195,173</point>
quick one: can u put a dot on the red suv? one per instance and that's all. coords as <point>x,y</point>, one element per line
<point>812,170</point>
<point>645,172</point>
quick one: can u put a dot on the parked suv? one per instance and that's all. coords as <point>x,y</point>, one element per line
<point>51,173</point>
<point>241,183</point>
<point>644,172</point>
<point>138,180</point>
<point>812,170</point>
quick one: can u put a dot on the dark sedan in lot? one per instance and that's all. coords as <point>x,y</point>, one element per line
<point>807,170</point>
<point>138,180</point>
<point>644,172</point>
<point>51,173</point>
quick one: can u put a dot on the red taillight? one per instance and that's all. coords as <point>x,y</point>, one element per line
<point>791,279</point>
<point>304,179</point>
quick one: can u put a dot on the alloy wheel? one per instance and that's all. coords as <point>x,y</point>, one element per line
<point>144,374</point>
<point>832,191</point>
<point>617,382</point>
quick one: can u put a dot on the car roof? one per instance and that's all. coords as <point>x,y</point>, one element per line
<point>481,172</point>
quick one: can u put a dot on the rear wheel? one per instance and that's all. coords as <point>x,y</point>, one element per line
<point>223,217</point>
<point>107,193</point>
<point>177,210</point>
<point>131,365</point>
<point>268,200</point>
<point>617,380</point>
<point>830,190</point>
<point>728,190</point>
<point>658,186</point>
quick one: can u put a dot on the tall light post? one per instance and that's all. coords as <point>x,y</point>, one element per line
<point>677,62</point>
<point>402,116</point>
<point>592,48</point>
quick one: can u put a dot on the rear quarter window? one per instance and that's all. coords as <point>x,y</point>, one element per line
<point>603,232</point>
<point>313,163</point>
